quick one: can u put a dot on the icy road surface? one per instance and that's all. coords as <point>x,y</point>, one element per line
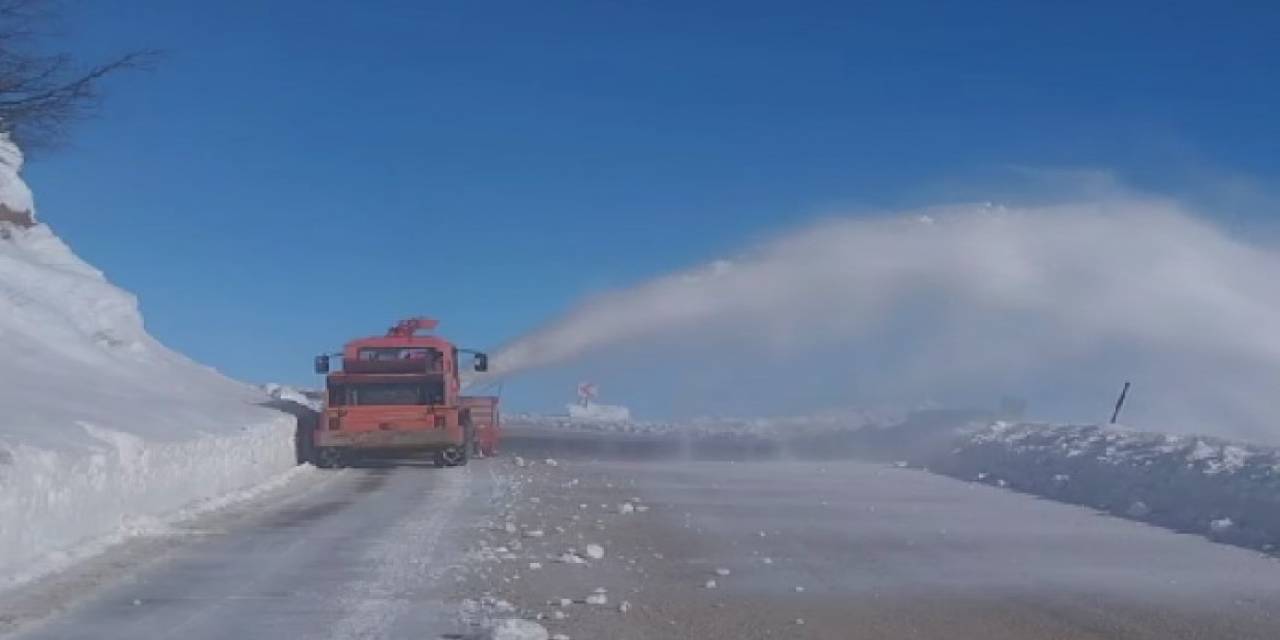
<point>361,556</point>
<point>606,536</point>
<point>716,548</point>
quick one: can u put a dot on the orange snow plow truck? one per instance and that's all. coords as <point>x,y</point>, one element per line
<point>400,394</point>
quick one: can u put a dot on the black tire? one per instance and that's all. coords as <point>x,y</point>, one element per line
<point>474,439</point>
<point>451,457</point>
<point>330,458</point>
<point>304,445</point>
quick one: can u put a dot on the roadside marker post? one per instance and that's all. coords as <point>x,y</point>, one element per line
<point>1124,393</point>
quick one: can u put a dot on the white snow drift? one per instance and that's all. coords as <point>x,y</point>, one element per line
<point>102,426</point>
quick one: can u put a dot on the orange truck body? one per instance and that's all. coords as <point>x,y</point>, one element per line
<point>401,393</point>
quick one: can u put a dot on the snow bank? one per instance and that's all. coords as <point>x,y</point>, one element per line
<point>102,425</point>
<point>598,413</point>
<point>1227,490</point>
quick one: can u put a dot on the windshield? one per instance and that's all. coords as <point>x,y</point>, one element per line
<point>399,393</point>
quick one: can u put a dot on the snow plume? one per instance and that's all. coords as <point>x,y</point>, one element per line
<point>1056,304</point>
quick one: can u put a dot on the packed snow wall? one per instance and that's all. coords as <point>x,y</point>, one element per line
<point>102,428</point>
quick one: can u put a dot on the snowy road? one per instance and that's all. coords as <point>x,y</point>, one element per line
<point>362,556</point>
<point>796,549</point>
<point>843,549</point>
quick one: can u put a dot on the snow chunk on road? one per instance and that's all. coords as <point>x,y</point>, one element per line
<point>595,551</point>
<point>598,599</point>
<point>1221,525</point>
<point>723,572</point>
<point>710,584</point>
<point>570,557</point>
<point>517,629</point>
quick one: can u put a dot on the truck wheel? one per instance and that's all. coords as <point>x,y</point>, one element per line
<point>451,457</point>
<point>468,447</point>
<point>329,458</point>
<point>304,445</point>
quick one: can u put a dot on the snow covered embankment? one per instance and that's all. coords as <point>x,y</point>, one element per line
<point>103,429</point>
<point>1228,491</point>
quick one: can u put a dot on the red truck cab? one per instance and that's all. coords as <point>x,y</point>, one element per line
<point>398,393</point>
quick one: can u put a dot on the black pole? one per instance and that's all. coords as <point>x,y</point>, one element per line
<point>1124,393</point>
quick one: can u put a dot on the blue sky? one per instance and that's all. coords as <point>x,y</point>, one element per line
<point>297,172</point>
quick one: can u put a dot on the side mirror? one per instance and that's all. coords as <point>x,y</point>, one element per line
<point>482,362</point>
<point>322,364</point>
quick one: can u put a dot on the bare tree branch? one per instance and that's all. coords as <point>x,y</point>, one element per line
<point>42,94</point>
